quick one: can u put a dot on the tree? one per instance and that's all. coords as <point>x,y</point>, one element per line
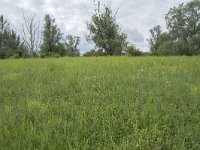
<point>105,32</point>
<point>4,28</point>
<point>161,43</point>
<point>9,40</point>
<point>183,24</point>
<point>51,38</point>
<point>154,40</point>
<point>166,45</point>
<point>132,50</point>
<point>71,43</point>
<point>31,34</point>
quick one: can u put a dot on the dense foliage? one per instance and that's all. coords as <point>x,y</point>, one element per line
<point>183,36</point>
<point>9,41</point>
<point>105,32</point>
<point>131,50</point>
<point>51,38</point>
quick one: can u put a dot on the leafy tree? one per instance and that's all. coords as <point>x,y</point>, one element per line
<point>71,44</point>
<point>105,32</point>
<point>161,43</point>
<point>183,23</point>
<point>133,51</point>
<point>166,45</point>
<point>51,38</point>
<point>154,40</point>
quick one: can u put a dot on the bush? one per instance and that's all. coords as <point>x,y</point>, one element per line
<point>42,56</point>
<point>133,51</point>
<point>52,55</point>
<point>2,54</point>
<point>16,56</point>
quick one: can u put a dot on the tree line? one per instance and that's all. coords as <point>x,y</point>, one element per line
<point>181,38</point>
<point>183,31</point>
<point>53,43</point>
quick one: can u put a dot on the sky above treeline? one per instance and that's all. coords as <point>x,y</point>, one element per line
<point>136,17</point>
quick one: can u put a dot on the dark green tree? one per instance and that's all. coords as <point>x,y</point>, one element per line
<point>4,28</point>
<point>105,32</point>
<point>51,38</point>
<point>9,40</point>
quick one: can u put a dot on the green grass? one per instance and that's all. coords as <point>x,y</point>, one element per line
<point>100,103</point>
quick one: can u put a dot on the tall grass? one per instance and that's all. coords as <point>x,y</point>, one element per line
<point>100,103</point>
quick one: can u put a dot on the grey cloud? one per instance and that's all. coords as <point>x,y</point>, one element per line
<point>134,35</point>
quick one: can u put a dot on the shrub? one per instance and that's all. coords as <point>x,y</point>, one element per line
<point>16,56</point>
<point>52,55</point>
<point>42,56</point>
<point>133,51</point>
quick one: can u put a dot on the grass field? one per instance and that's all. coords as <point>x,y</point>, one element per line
<point>100,103</point>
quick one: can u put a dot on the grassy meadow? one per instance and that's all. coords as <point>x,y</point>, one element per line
<point>119,103</point>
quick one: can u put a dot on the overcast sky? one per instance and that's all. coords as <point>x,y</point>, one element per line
<point>135,17</point>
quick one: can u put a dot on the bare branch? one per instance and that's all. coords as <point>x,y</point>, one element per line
<point>31,33</point>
